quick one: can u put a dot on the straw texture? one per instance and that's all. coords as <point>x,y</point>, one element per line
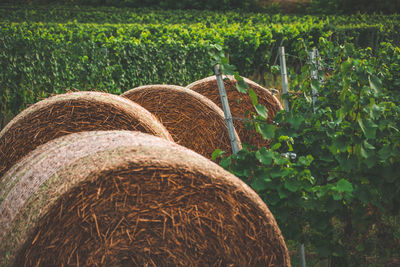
<point>193,120</point>
<point>239,103</point>
<point>70,113</point>
<point>120,198</point>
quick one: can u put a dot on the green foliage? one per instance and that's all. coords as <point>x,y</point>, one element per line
<point>353,6</point>
<point>171,4</point>
<point>82,48</point>
<point>86,14</point>
<point>341,192</point>
<point>38,59</point>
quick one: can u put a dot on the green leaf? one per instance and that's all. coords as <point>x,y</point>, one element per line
<point>344,186</point>
<point>262,174</point>
<point>347,164</point>
<point>368,145</point>
<point>280,160</point>
<point>363,152</point>
<point>227,69</point>
<point>282,193</point>
<point>266,130</point>
<point>340,144</point>
<point>315,85</point>
<point>264,156</point>
<point>368,127</point>
<point>375,110</point>
<point>276,146</point>
<point>385,152</point>
<point>276,173</point>
<point>346,66</point>
<point>273,198</point>
<point>292,185</point>
<point>237,76</point>
<point>262,111</point>
<point>253,97</point>
<point>337,196</point>
<point>260,184</point>
<point>375,83</point>
<point>305,161</point>
<point>217,153</point>
<point>225,163</point>
<point>363,195</point>
<point>371,161</point>
<point>276,69</point>
<point>295,120</point>
<point>241,85</point>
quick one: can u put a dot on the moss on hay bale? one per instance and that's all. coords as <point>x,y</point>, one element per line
<point>239,103</point>
<point>193,120</point>
<point>71,113</point>
<point>115,198</point>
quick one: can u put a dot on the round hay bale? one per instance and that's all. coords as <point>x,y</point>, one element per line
<point>71,113</point>
<point>117,198</point>
<point>193,120</point>
<point>239,103</point>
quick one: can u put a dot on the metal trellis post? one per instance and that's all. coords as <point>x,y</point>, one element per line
<point>302,255</point>
<point>314,74</point>
<point>227,111</point>
<point>285,84</point>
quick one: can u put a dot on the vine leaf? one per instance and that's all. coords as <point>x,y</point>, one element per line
<point>368,127</point>
<point>375,83</point>
<point>262,111</point>
<point>266,130</point>
<point>344,186</point>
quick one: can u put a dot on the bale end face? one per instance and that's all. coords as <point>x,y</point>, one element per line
<point>193,120</point>
<point>240,104</point>
<point>71,113</point>
<point>135,199</point>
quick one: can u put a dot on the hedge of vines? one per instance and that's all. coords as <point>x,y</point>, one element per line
<point>172,4</point>
<point>353,6</point>
<point>313,6</point>
<point>70,52</point>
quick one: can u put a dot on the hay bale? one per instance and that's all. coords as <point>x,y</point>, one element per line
<point>239,103</point>
<point>116,198</point>
<point>71,113</point>
<point>193,120</point>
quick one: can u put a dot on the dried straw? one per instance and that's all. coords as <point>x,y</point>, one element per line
<point>193,120</point>
<point>71,113</point>
<point>239,103</point>
<point>117,198</point>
